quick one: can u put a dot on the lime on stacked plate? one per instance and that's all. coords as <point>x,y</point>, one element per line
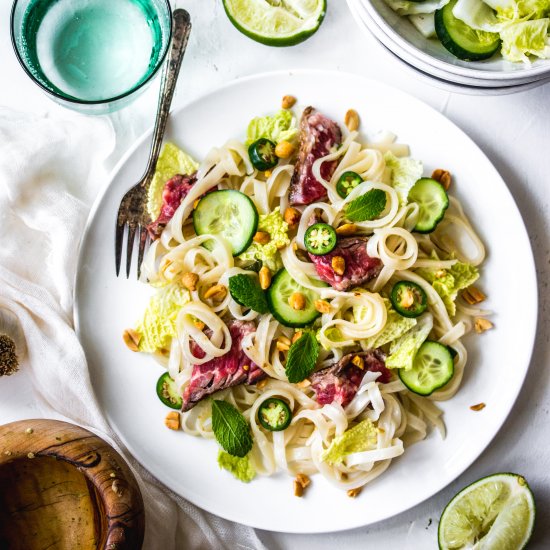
<point>276,22</point>
<point>494,513</point>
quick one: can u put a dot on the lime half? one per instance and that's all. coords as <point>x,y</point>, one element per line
<point>276,22</point>
<point>495,513</point>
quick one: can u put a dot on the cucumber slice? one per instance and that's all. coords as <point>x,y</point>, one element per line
<point>496,512</point>
<point>281,289</point>
<point>432,368</point>
<point>276,23</point>
<point>167,392</point>
<point>460,39</point>
<point>432,199</point>
<point>229,214</point>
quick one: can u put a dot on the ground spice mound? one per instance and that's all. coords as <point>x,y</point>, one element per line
<point>8,356</point>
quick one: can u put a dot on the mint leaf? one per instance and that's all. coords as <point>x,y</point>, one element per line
<point>230,428</point>
<point>366,207</point>
<point>302,358</point>
<point>246,290</point>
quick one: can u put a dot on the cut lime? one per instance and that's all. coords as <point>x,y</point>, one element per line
<point>495,513</point>
<point>276,22</point>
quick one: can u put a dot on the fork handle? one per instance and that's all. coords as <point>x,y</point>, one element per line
<point>181,27</point>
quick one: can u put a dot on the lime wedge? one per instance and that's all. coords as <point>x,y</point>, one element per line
<point>276,22</point>
<point>494,513</point>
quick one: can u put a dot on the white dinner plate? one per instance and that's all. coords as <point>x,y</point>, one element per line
<point>498,360</point>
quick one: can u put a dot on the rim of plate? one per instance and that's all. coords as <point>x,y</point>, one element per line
<point>444,481</point>
<point>428,73</point>
<point>531,73</point>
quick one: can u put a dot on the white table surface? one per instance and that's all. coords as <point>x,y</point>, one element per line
<point>514,132</point>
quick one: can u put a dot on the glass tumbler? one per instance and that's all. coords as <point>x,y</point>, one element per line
<point>93,56</point>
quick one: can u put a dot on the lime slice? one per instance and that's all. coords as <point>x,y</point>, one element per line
<point>276,22</point>
<point>495,513</point>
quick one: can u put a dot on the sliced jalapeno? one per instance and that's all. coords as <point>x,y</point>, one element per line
<point>347,182</point>
<point>167,392</point>
<point>320,238</point>
<point>408,299</point>
<point>262,154</point>
<point>274,414</point>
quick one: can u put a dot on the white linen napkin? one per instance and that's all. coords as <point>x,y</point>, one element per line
<point>51,168</point>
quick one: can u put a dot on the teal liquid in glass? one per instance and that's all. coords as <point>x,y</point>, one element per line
<point>92,49</point>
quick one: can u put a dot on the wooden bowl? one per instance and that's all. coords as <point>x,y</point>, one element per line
<point>64,488</point>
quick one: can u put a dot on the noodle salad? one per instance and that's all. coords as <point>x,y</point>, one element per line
<point>311,289</point>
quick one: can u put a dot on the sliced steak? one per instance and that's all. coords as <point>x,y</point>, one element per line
<point>173,193</point>
<point>339,383</point>
<point>318,135</point>
<point>231,369</point>
<point>360,267</point>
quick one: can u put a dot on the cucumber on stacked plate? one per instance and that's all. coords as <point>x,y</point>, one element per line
<point>474,30</point>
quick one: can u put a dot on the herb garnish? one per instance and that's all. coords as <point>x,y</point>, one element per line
<point>366,207</point>
<point>302,357</point>
<point>230,428</point>
<point>246,290</point>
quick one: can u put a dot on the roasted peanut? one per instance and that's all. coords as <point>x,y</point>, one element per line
<point>131,338</point>
<point>481,325</point>
<point>199,324</point>
<point>261,237</point>
<point>359,362</point>
<point>246,367</point>
<point>322,306</point>
<point>284,340</point>
<point>352,493</point>
<point>284,149</point>
<point>196,203</point>
<point>267,174</point>
<point>292,216</point>
<point>172,420</point>
<point>288,101</point>
<point>338,265</point>
<point>443,177</point>
<point>297,301</point>
<point>300,483</point>
<point>303,480</point>
<point>351,120</point>
<point>265,277</point>
<point>216,292</point>
<point>478,407</point>
<point>262,384</point>
<point>473,295</point>
<point>283,343</point>
<point>297,335</point>
<point>346,230</point>
<point>189,280</point>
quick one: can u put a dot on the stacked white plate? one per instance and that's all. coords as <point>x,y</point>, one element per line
<point>428,56</point>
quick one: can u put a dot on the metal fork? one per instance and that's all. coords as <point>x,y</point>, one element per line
<point>132,212</point>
